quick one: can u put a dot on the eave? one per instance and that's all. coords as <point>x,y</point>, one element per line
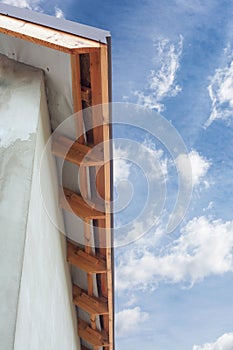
<point>98,54</point>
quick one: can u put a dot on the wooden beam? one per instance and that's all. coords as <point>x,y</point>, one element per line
<point>107,190</point>
<point>100,95</point>
<point>80,94</point>
<point>76,152</point>
<point>93,337</point>
<point>96,92</point>
<point>77,99</point>
<point>45,36</point>
<point>82,260</point>
<point>74,203</point>
<point>92,305</point>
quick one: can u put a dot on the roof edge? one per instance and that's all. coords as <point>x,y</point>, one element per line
<point>63,25</point>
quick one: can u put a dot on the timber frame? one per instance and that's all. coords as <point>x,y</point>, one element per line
<point>90,90</point>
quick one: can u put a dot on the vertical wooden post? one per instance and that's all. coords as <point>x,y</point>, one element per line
<point>100,95</point>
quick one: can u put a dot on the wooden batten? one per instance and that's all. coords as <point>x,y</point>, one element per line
<point>74,203</point>
<point>92,305</point>
<point>84,261</point>
<point>75,152</point>
<point>93,337</point>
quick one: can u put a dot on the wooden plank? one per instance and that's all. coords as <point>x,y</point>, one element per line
<point>80,94</point>
<point>96,88</point>
<point>84,261</point>
<point>89,278</point>
<point>99,84</point>
<point>74,203</point>
<point>77,98</point>
<point>45,36</point>
<point>92,305</point>
<point>76,152</point>
<point>93,337</point>
<point>107,190</point>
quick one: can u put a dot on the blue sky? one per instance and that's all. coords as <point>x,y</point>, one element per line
<point>174,292</point>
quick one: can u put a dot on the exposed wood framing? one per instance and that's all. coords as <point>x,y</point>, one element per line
<point>89,65</point>
<point>76,152</point>
<point>77,98</point>
<point>80,94</point>
<point>84,261</point>
<point>92,305</point>
<point>75,203</point>
<point>95,91</point>
<point>100,95</point>
<point>94,337</point>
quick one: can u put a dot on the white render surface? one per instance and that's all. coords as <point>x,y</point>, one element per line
<point>57,71</point>
<point>36,310</point>
<point>58,80</point>
<point>16,163</point>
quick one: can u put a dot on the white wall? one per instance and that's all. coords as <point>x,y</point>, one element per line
<point>19,100</point>
<point>46,315</point>
<point>36,310</point>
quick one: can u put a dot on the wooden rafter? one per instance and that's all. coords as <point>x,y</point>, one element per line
<point>90,304</point>
<point>74,203</point>
<point>93,337</point>
<point>77,99</point>
<point>75,152</point>
<point>84,261</point>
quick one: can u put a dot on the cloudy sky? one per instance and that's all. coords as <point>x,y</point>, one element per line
<point>173,291</point>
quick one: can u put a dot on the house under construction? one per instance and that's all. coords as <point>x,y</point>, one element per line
<point>56,289</point>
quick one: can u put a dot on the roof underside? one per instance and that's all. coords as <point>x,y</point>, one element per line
<point>75,61</point>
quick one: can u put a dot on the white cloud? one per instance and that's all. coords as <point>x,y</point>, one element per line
<point>21,3</point>
<point>133,190</point>
<point>225,342</point>
<point>157,162</point>
<point>132,300</point>
<point>199,166</point>
<point>121,166</point>
<point>221,91</point>
<point>35,5</point>
<point>161,83</point>
<point>59,13</point>
<point>204,248</point>
<point>196,6</point>
<point>152,160</point>
<point>129,320</point>
<point>209,207</point>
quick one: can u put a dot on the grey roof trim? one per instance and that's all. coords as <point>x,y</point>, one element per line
<point>56,23</point>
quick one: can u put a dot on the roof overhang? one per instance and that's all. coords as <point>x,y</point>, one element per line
<point>81,50</point>
<point>62,25</point>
